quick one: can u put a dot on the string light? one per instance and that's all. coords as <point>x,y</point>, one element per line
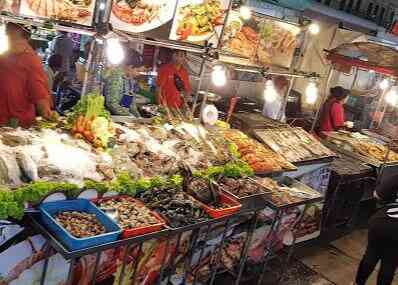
<point>219,76</point>
<point>314,28</point>
<point>384,84</point>
<point>245,12</point>
<point>270,93</point>
<point>311,92</point>
<point>114,51</point>
<point>392,96</point>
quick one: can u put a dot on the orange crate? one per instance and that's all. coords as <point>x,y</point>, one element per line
<point>141,230</point>
<point>218,213</point>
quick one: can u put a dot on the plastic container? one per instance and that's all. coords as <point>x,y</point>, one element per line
<point>251,201</point>
<point>234,207</point>
<point>50,209</point>
<point>140,230</point>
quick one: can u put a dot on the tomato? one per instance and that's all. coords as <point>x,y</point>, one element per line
<point>185,32</point>
<point>250,34</point>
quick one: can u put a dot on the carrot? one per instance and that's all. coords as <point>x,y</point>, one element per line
<point>80,124</point>
<point>87,134</point>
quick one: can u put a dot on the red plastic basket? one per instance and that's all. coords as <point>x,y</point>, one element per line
<point>140,230</point>
<point>218,213</point>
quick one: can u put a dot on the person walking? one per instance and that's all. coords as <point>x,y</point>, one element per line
<point>63,46</point>
<point>382,237</point>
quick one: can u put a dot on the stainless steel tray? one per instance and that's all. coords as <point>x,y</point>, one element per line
<point>369,160</point>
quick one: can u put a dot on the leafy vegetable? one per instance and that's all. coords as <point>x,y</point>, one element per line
<point>101,187</point>
<point>237,169</point>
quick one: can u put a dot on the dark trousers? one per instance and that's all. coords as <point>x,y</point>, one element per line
<point>383,247</point>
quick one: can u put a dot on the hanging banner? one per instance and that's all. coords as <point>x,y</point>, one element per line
<point>258,41</point>
<point>73,11</point>
<point>143,16</point>
<point>198,21</point>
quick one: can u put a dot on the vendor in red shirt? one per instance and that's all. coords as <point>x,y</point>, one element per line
<point>332,114</point>
<point>24,88</point>
<point>173,82</point>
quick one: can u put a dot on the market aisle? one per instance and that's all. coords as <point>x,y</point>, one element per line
<point>338,261</point>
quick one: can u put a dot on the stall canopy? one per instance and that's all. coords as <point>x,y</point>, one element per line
<point>366,55</point>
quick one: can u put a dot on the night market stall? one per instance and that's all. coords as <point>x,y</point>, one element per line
<point>175,196</point>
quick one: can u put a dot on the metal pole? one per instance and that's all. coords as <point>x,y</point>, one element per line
<point>378,107</point>
<point>97,260</point>
<point>245,251</point>
<point>329,79</point>
<point>201,74</point>
<point>297,62</point>
<point>323,99</point>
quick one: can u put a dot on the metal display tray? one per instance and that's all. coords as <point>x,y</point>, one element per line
<point>34,219</point>
<point>368,160</point>
<point>314,160</point>
<point>290,182</point>
<point>252,201</point>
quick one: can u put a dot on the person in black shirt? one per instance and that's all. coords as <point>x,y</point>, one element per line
<point>382,237</point>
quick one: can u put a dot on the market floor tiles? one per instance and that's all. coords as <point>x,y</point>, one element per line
<point>338,261</point>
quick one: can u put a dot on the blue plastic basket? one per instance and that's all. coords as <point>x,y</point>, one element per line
<point>50,209</point>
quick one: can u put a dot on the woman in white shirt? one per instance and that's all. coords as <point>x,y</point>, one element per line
<point>275,109</point>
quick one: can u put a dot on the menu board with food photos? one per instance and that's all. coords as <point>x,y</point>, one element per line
<point>73,11</point>
<point>199,21</point>
<point>9,6</point>
<point>258,41</point>
<point>152,17</point>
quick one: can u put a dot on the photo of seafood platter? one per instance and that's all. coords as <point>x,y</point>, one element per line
<point>197,21</point>
<point>138,16</point>
<point>74,11</point>
<point>259,41</point>
<point>9,6</point>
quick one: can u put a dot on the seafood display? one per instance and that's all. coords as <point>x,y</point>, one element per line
<point>241,188</point>
<point>76,11</point>
<point>46,155</point>
<point>363,145</point>
<point>197,22</point>
<point>257,155</point>
<point>287,191</point>
<point>80,224</point>
<point>261,41</point>
<point>295,144</point>
<point>128,213</point>
<point>178,208</point>
<point>137,149</point>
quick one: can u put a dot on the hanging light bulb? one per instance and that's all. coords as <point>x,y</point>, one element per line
<point>3,39</point>
<point>392,96</point>
<point>219,76</point>
<point>384,84</point>
<point>314,28</point>
<point>114,51</point>
<point>245,12</point>
<point>270,93</point>
<point>311,92</point>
